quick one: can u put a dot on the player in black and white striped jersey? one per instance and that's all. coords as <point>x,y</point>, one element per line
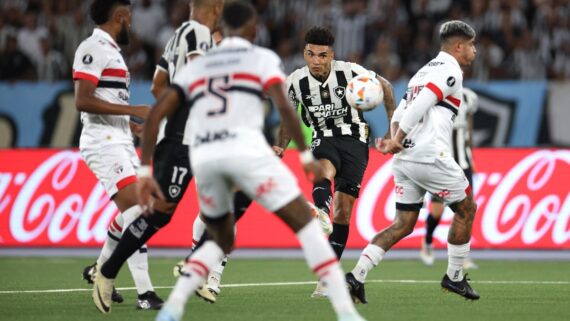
<point>461,143</point>
<point>340,132</point>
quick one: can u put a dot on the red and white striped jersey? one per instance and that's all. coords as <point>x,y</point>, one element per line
<point>431,136</point>
<point>224,91</point>
<point>98,59</point>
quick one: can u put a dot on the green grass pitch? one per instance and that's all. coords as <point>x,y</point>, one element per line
<point>397,290</point>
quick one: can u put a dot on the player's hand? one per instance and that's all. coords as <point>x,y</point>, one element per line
<point>140,111</point>
<point>147,189</point>
<point>314,171</point>
<point>136,129</point>
<point>278,151</point>
<point>380,144</point>
<point>392,146</point>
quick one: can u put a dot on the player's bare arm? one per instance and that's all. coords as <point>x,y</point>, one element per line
<point>290,122</point>
<point>159,83</point>
<point>86,101</point>
<point>389,101</point>
<point>282,141</point>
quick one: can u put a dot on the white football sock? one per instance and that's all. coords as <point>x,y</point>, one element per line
<point>369,258</point>
<point>198,229</point>
<point>138,265</point>
<point>219,268</point>
<point>322,260</point>
<point>198,267</point>
<point>456,257</point>
<point>114,233</point>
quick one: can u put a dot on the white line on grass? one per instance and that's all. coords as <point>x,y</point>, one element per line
<point>244,285</point>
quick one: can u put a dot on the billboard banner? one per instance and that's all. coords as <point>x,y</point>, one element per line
<point>49,198</point>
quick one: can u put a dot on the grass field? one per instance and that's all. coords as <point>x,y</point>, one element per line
<point>266,290</point>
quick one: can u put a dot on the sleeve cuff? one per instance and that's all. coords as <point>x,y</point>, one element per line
<point>78,75</point>
<point>273,81</point>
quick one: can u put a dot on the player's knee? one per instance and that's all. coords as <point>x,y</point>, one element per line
<point>348,188</point>
<point>222,231</point>
<point>159,219</point>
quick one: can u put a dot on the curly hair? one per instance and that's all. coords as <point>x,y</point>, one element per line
<point>100,10</point>
<point>319,36</point>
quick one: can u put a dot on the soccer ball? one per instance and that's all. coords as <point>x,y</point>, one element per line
<point>322,217</point>
<point>364,92</point>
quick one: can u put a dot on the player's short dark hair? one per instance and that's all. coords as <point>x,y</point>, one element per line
<point>100,10</point>
<point>237,13</point>
<point>319,36</point>
<point>456,28</point>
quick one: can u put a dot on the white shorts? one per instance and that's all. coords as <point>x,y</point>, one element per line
<point>114,165</point>
<point>263,178</point>
<point>443,178</point>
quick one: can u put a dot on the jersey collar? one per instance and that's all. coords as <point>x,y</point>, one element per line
<point>235,42</point>
<point>445,56</point>
<point>103,34</point>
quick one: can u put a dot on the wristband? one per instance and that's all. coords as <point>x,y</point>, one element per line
<point>144,171</point>
<point>306,157</point>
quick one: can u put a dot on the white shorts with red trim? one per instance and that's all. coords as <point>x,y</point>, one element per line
<point>114,165</point>
<point>443,178</point>
<point>263,178</point>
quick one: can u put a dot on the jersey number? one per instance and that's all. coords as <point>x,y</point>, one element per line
<point>216,88</point>
<point>178,173</point>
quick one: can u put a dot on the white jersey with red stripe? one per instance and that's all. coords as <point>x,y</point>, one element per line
<point>224,91</point>
<point>98,59</point>
<point>430,138</point>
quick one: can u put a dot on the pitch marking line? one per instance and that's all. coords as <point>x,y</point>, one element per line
<point>243,285</point>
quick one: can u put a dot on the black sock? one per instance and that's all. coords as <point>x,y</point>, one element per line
<point>241,204</point>
<point>322,195</point>
<point>338,238</point>
<point>134,237</point>
<point>431,224</point>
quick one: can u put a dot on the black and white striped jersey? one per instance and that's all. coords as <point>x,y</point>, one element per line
<point>189,39</point>
<point>460,136</point>
<point>325,108</point>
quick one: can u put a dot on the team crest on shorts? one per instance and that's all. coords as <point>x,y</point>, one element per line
<point>174,190</point>
<point>451,81</point>
<point>339,92</point>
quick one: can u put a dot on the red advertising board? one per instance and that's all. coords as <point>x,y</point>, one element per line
<point>49,198</point>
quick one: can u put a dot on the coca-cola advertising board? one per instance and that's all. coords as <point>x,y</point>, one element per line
<point>49,198</point>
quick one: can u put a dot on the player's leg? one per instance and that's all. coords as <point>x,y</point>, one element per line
<point>354,159</point>
<point>448,181</point>
<point>241,204</point>
<point>114,165</point>
<point>199,236</point>
<point>328,155</point>
<point>426,254</point>
<point>284,198</point>
<point>409,201</point>
<point>469,264</point>
<point>215,199</point>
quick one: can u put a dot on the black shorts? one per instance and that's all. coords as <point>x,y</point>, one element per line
<point>468,174</point>
<point>349,156</point>
<point>171,169</point>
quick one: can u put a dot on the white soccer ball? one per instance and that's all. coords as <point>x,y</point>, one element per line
<point>364,92</point>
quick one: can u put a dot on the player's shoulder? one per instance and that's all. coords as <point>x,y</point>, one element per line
<point>266,53</point>
<point>298,74</point>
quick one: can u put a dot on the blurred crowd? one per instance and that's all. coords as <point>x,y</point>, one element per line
<point>517,39</point>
